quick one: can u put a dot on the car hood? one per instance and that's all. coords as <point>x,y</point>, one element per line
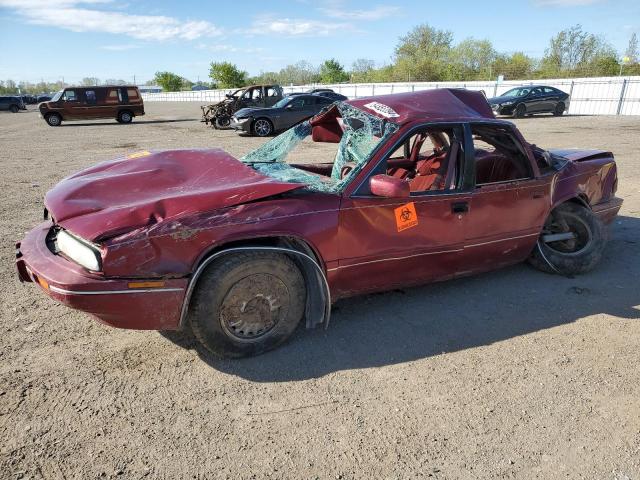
<point>248,112</point>
<point>146,188</point>
<point>495,100</point>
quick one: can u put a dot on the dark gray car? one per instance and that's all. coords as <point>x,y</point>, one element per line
<point>530,99</point>
<point>13,104</point>
<point>284,114</point>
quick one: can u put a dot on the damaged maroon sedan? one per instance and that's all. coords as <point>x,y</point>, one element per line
<point>419,187</point>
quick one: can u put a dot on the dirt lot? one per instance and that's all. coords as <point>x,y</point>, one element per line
<point>512,374</point>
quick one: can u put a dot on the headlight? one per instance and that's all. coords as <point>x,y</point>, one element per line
<point>78,251</point>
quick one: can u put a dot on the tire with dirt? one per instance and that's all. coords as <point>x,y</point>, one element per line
<point>520,111</point>
<point>222,121</point>
<point>573,240</point>
<point>53,119</point>
<point>248,303</point>
<point>559,110</point>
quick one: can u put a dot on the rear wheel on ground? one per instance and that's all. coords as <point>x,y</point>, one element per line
<point>520,111</point>
<point>572,241</point>
<point>53,119</point>
<point>14,108</point>
<point>125,117</point>
<point>262,127</point>
<point>245,304</point>
<point>559,110</point>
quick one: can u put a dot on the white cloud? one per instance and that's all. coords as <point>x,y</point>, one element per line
<point>565,3</point>
<point>75,15</point>
<point>376,13</point>
<point>228,48</point>
<point>119,48</point>
<point>270,25</point>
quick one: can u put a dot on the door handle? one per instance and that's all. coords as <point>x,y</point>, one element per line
<point>460,207</point>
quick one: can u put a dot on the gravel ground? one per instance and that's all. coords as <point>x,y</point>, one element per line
<point>511,374</point>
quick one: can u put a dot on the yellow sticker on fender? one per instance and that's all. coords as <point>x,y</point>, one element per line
<point>406,216</point>
<point>144,153</point>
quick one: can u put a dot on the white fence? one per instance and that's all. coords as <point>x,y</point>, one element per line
<point>589,96</point>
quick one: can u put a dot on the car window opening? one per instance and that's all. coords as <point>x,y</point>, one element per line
<point>499,156</point>
<point>356,133</point>
<point>429,160</point>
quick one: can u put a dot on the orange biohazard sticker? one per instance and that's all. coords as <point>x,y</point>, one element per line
<point>406,216</point>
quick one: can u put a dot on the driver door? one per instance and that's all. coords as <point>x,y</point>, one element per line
<point>393,242</point>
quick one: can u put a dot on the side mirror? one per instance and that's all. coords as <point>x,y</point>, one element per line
<point>389,187</point>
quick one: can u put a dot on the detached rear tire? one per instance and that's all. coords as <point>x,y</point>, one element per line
<point>246,304</point>
<point>573,256</point>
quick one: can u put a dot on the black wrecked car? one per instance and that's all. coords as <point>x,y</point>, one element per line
<point>287,112</point>
<point>530,99</point>
<point>13,103</point>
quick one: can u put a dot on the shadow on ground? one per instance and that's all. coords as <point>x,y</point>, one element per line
<point>116,124</point>
<point>402,326</point>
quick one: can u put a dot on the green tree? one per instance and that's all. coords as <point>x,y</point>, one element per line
<point>227,75</point>
<point>575,52</point>
<point>423,54</point>
<point>362,69</point>
<point>474,59</point>
<point>515,67</point>
<point>332,72</point>
<point>90,81</point>
<point>170,82</point>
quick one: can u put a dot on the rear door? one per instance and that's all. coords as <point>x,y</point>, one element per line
<point>508,205</point>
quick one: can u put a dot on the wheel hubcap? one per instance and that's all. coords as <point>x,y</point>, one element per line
<point>126,117</point>
<point>567,234</point>
<point>253,307</point>
<point>262,128</point>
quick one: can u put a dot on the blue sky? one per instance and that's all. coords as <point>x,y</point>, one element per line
<point>51,39</point>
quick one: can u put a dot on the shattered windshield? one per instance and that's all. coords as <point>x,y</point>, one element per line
<point>361,134</point>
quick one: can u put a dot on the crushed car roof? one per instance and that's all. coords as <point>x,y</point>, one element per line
<point>437,104</point>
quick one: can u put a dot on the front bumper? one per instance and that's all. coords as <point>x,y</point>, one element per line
<point>114,302</point>
<point>241,125</point>
<point>607,211</point>
<point>502,110</point>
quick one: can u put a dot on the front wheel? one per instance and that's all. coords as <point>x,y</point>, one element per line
<point>14,108</point>
<point>262,127</point>
<point>572,241</point>
<point>520,111</point>
<point>222,121</point>
<point>245,304</point>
